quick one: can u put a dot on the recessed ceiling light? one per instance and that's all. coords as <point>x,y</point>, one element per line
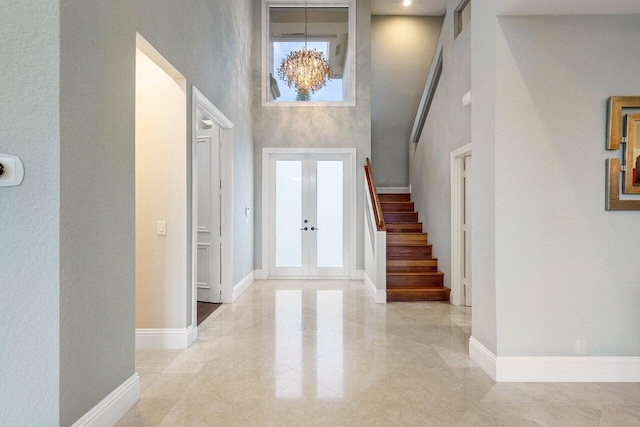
<point>407,2</point>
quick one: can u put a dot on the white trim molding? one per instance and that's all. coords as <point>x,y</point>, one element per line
<point>379,295</point>
<point>483,357</point>
<point>555,369</point>
<point>200,102</point>
<point>243,285</point>
<point>394,190</point>
<point>457,218</point>
<point>260,274</point>
<point>158,338</point>
<point>114,406</point>
<point>357,275</point>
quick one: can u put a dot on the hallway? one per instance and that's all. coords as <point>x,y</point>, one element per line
<point>322,353</point>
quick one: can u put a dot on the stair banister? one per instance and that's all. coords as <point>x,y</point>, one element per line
<point>373,192</point>
<point>375,236</point>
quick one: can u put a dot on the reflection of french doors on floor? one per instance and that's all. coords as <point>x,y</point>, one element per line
<point>309,213</point>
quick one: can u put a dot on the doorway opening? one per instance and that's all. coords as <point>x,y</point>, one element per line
<point>160,201</point>
<point>461,280</point>
<point>212,208</point>
<point>308,216</point>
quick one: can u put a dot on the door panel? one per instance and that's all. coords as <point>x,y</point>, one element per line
<point>288,209</point>
<point>467,231</point>
<point>208,215</point>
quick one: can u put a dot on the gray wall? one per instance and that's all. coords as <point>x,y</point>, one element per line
<point>30,214</point>
<point>210,44</point>
<point>402,49</point>
<point>447,128</point>
<point>483,119</point>
<point>565,267</point>
<point>550,264</point>
<point>337,127</point>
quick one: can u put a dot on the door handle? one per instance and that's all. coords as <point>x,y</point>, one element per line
<point>314,229</point>
<point>304,229</point>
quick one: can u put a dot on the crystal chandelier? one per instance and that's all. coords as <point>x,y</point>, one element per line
<point>307,70</point>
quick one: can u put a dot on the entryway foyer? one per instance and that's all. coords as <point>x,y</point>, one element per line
<point>323,353</point>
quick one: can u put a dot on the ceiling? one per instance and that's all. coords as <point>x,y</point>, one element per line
<point>571,7</point>
<point>417,8</point>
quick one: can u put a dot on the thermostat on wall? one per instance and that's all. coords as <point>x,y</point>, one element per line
<point>11,171</point>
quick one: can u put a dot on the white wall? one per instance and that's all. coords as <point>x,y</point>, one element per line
<point>402,48</point>
<point>447,128</point>
<point>30,214</point>
<point>161,180</point>
<point>565,267</point>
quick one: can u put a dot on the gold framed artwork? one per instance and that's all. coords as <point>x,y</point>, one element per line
<point>616,115</point>
<point>632,171</point>
<point>623,129</point>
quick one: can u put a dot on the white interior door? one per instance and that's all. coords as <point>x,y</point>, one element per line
<point>208,215</point>
<point>309,213</point>
<point>466,280</point>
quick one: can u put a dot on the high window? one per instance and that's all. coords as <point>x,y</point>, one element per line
<point>327,27</point>
<point>462,16</point>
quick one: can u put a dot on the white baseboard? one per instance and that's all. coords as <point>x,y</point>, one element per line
<point>260,274</point>
<point>379,295</point>
<point>243,285</point>
<point>114,406</point>
<point>555,369</point>
<point>357,275</point>
<point>158,338</point>
<point>394,190</point>
<point>483,357</point>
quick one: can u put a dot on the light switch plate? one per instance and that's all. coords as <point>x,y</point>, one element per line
<point>13,171</point>
<point>162,228</point>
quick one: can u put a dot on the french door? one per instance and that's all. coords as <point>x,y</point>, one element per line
<point>309,215</point>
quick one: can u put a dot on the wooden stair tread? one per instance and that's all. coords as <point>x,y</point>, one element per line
<point>395,197</point>
<point>416,273</point>
<point>418,294</point>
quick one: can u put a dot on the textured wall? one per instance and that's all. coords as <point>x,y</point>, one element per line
<point>565,268</point>
<point>402,49</point>
<point>30,213</point>
<point>447,128</point>
<point>335,127</point>
<point>210,44</point>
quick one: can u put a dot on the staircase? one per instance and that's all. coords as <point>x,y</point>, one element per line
<point>412,272</point>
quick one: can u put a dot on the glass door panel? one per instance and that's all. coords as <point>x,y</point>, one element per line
<point>288,213</point>
<point>330,213</point>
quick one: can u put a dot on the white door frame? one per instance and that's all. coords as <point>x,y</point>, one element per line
<point>266,213</point>
<point>457,216</point>
<point>200,102</point>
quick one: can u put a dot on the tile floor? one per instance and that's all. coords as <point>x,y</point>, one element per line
<point>298,353</point>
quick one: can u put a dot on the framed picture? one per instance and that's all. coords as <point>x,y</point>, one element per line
<point>632,173</point>
<point>623,128</point>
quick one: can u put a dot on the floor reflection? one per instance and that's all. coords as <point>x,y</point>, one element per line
<point>298,331</point>
<point>329,335</point>
<point>289,341</point>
